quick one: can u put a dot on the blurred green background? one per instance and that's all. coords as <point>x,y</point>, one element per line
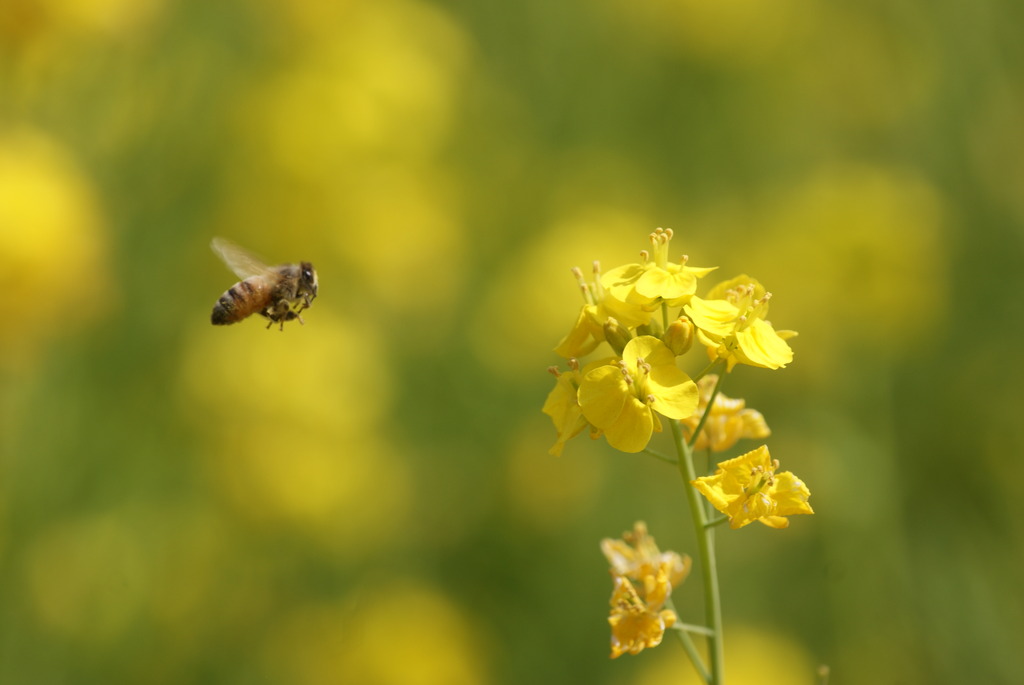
<point>368,498</point>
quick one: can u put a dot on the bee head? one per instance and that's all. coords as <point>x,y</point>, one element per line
<point>307,279</point>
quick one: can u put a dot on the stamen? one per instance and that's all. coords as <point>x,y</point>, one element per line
<point>553,370</point>
<point>588,296</point>
<point>598,288</point>
<point>625,372</point>
<point>574,364</point>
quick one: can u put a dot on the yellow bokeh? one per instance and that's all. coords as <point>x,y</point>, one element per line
<point>331,374</point>
<point>399,231</point>
<point>344,139</point>
<point>382,84</point>
<point>855,255</point>
<point>297,427</point>
<point>392,633</point>
<point>57,20</point>
<point>346,491</point>
<point>753,656</point>
<point>53,243</point>
<point>534,300</point>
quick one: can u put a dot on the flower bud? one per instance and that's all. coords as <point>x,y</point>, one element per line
<point>679,336</point>
<point>617,335</point>
<point>652,328</point>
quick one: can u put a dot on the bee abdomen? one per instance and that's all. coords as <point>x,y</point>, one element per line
<point>234,305</point>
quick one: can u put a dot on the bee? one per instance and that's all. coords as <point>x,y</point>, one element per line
<point>279,293</point>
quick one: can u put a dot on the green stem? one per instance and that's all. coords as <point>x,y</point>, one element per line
<point>706,553</point>
<point>691,651</point>
<point>707,413</point>
<point>660,457</point>
<point>705,371</point>
<point>690,628</point>
<point>711,523</point>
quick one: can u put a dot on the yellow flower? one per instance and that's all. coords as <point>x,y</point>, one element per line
<point>748,489</point>
<point>638,622</point>
<point>731,323</point>
<point>637,556</point>
<point>563,406</point>
<point>599,306</point>
<point>637,618</point>
<point>621,399</point>
<point>728,422</point>
<point>650,283</point>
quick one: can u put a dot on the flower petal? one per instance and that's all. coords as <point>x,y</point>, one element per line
<point>762,346</point>
<point>602,393</point>
<point>791,495</point>
<point>716,318</point>
<point>632,431</point>
<point>676,400</point>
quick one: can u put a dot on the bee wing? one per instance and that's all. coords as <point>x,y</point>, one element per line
<point>239,260</point>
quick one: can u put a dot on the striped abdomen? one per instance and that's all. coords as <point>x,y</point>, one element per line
<point>242,299</point>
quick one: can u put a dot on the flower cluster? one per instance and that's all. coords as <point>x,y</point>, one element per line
<point>648,315</point>
<point>624,395</point>
<point>643,579</point>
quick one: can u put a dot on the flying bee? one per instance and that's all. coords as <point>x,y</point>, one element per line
<point>279,293</point>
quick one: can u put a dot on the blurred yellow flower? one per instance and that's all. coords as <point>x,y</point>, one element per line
<point>304,447</point>
<point>655,279</point>
<point>756,655</point>
<point>637,618</point>
<point>52,244</point>
<point>730,322</point>
<point>748,489</point>
<point>729,421</point>
<point>598,308</point>
<point>636,556</point>
<point>639,622</point>
<point>877,231</point>
<point>624,399</point>
<point>345,138</point>
<point>394,633</point>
